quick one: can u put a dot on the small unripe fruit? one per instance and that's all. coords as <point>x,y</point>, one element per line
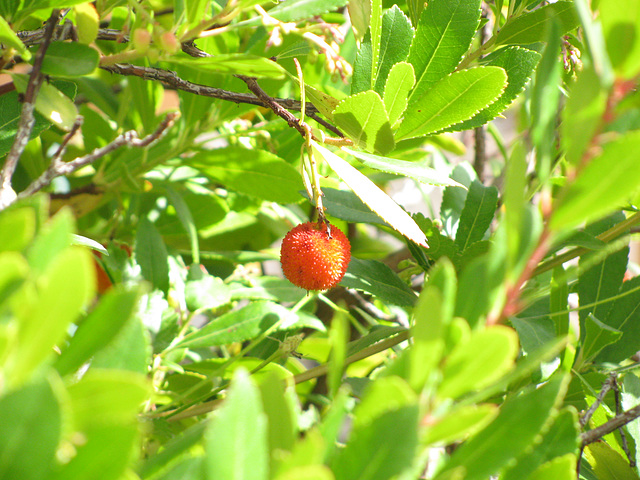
<point>314,257</point>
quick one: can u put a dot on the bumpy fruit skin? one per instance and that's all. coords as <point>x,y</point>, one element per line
<point>312,259</point>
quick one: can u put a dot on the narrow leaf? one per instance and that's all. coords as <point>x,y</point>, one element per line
<point>375,198</point>
<point>236,439</point>
<point>375,32</point>
<point>399,83</point>
<point>379,280</point>
<point>9,38</point>
<point>413,170</point>
<point>454,99</point>
<point>151,255</point>
<point>479,209</point>
<point>236,64</point>
<point>397,34</point>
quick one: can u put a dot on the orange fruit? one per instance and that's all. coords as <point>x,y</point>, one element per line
<point>315,257</point>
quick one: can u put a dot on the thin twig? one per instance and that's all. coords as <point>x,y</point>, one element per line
<point>129,138</point>
<point>27,119</point>
<point>608,385</point>
<point>621,420</point>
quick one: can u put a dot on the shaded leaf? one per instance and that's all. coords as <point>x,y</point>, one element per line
<point>477,214</point>
<point>70,59</point>
<point>378,279</point>
<point>151,254</point>
<point>233,63</point>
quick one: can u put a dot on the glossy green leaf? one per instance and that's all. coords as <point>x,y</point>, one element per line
<point>363,118</point>
<point>624,317</point>
<point>399,83</point>
<point>561,468</point>
<point>240,325</point>
<point>375,35</point>
<point>65,288</point>
<point>300,9</point>
<point>481,360</point>
<point>151,255</point>
<point>370,194</point>
<point>452,100</point>
<point>268,288</point>
<point>116,394</point>
<point>279,407</point>
<point>70,59</point>
<point>380,449</point>
<point>582,113</point>
<point>397,34</point>
<point>114,310</point>
<point>598,336</point>
<point>51,103</point>
<point>236,439</point>
<point>186,219</point>
<point>519,64</point>
<point>17,227</point>
<point>378,279</point>
<point>257,173</point>
<point>9,38</point>
<point>458,424</point>
<point>30,428</point>
<point>559,441</point>
<point>129,350</point>
<point>413,170</point>
<point>477,214</point>
<point>604,185</point>
<point>206,292</point>
<point>600,281</point>
<point>432,316</point>
<point>236,64</point>
<point>346,205</point>
<point>620,28</point>
<point>453,198</point>
<point>521,420</point>
<point>532,27</point>
<point>443,36</point>
<point>607,463</point>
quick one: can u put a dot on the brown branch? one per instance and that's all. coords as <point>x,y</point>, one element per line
<point>618,421</point>
<point>130,138</point>
<point>27,118</point>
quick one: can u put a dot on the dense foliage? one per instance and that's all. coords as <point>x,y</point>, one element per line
<point>154,154</point>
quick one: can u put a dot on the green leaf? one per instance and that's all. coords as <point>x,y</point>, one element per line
<point>605,184</point>
<point>360,16</point>
<point>443,36</point>
<point>114,310</point>
<point>293,10</point>
<point>207,292</point>
<point>17,228</point>
<point>607,463</point>
<point>456,98</point>
<point>384,395</point>
<point>10,110</point>
<point>257,173</point>
<point>519,64</point>
<point>186,219</point>
<point>458,424</point>
<point>413,170</point>
<point>30,428</point>
<point>432,316</point>
<point>561,468</point>
<point>236,439</point>
<point>10,39</point>
<point>233,63</point>
<point>70,59</point>
<point>279,407</point>
<point>399,83</point>
<point>624,316</point>
<point>64,289</point>
<point>620,27</point>
<point>239,325</point>
<point>598,335</point>
<point>13,271</point>
<point>378,279</point>
<point>397,34</point>
<point>486,356</point>
<point>346,205</point>
<point>598,282</point>
<point>129,350</point>
<point>559,441</point>
<point>477,215</point>
<point>370,194</point>
<point>116,394</point>
<point>532,26</point>
<point>362,118</point>
<point>381,449</point>
<point>453,198</point>
<point>51,103</point>
<point>151,255</point>
<point>521,420</point>
<point>375,34</point>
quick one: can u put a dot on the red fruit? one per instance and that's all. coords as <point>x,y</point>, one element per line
<point>314,259</point>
